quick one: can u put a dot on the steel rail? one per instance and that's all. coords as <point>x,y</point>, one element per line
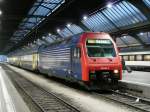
<point>45,100</point>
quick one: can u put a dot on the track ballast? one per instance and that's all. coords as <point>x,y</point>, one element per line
<point>129,100</point>
<point>46,101</point>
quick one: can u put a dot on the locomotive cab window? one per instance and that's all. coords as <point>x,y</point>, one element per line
<point>100,48</point>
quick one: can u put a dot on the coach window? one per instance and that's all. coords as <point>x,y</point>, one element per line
<point>146,57</point>
<point>125,58</point>
<point>138,57</point>
<point>132,58</point>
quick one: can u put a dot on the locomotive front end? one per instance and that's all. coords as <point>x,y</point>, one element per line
<point>103,62</point>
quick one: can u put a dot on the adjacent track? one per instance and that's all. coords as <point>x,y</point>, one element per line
<point>126,99</point>
<point>46,101</point>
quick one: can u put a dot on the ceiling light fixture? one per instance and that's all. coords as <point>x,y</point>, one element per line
<point>49,34</point>
<point>109,5</point>
<point>0,12</point>
<point>43,37</point>
<point>141,33</point>
<point>58,30</point>
<point>85,17</point>
<point>68,25</point>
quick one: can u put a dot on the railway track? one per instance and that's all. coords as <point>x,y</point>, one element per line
<point>46,101</point>
<point>129,100</point>
<point>49,102</point>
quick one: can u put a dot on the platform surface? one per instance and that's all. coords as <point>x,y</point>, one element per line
<point>136,83</point>
<point>10,99</point>
<point>137,77</point>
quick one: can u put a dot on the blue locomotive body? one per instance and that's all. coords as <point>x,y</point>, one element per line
<point>60,59</point>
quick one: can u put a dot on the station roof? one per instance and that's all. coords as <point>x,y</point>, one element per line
<point>45,21</point>
<point>38,13</point>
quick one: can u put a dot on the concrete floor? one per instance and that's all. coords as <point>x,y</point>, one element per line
<point>85,101</point>
<point>10,100</point>
<point>137,77</point>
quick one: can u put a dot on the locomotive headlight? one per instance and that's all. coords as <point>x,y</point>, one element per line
<point>116,71</point>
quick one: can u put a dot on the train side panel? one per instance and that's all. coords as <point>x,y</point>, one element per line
<point>13,60</point>
<point>29,61</point>
<point>76,68</point>
<point>61,60</point>
<point>26,62</point>
<point>55,61</point>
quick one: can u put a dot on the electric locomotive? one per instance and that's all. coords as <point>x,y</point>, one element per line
<point>88,58</point>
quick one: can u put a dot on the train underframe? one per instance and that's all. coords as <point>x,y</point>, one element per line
<point>102,80</point>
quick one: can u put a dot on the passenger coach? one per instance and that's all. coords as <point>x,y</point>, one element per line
<point>139,60</point>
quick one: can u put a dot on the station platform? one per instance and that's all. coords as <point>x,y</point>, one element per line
<point>10,99</point>
<point>137,77</point>
<point>136,82</point>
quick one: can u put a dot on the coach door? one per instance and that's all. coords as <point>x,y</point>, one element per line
<point>75,63</point>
